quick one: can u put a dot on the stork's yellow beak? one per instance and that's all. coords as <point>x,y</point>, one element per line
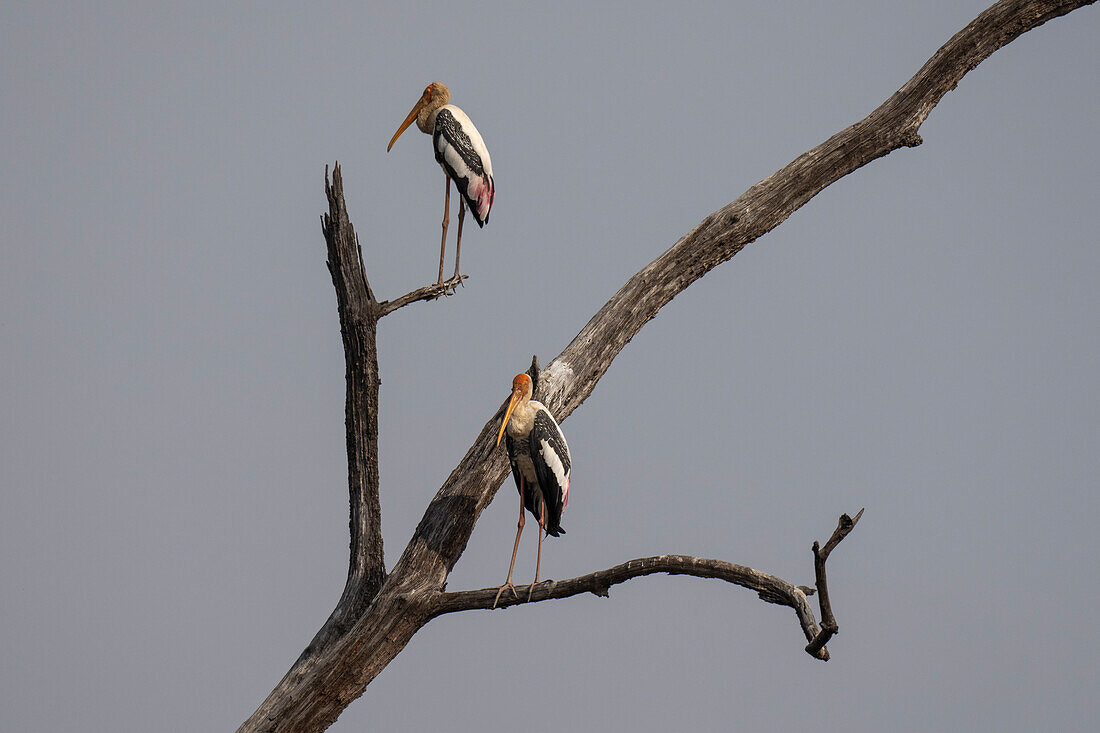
<point>424,99</point>
<point>516,396</point>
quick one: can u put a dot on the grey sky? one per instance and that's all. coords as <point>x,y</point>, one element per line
<point>921,339</point>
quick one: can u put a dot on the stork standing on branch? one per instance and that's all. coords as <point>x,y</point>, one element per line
<point>463,156</point>
<point>540,465</point>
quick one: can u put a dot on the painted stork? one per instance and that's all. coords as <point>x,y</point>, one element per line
<point>540,465</point>
<point>462,154</point>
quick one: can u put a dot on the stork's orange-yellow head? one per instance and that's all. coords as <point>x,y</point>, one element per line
<point>435,95</point>
<point>521,392</point>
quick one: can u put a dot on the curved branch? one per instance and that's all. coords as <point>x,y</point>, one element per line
<point>770,588</point>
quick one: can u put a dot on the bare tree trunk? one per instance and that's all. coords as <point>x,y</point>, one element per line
<point>378,615</point>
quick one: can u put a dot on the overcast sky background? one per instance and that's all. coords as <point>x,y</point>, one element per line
<point>921,340</point>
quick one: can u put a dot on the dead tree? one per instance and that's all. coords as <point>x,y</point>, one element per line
<point>378,614</point>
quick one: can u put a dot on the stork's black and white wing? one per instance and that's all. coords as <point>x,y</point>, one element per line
<point>462,153</point>
<point>550,454</point>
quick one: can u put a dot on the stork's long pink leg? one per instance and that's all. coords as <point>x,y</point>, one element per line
<point>446,216</point>
<point>458,244</point>
<point>538,561</point>
<point>515,548</point>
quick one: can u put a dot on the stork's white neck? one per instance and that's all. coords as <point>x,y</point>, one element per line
<point>523,418</point>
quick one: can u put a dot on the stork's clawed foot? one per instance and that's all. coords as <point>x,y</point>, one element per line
<point>448,287</point>
<point>501,590</point>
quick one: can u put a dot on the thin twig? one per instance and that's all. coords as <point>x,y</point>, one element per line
<point>428,292</point>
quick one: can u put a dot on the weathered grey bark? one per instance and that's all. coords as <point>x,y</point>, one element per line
<point>377,615</point>
<point>359,314</point>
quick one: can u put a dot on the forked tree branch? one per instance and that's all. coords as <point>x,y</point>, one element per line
<point>373,623</point>
<point>359,314</point>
